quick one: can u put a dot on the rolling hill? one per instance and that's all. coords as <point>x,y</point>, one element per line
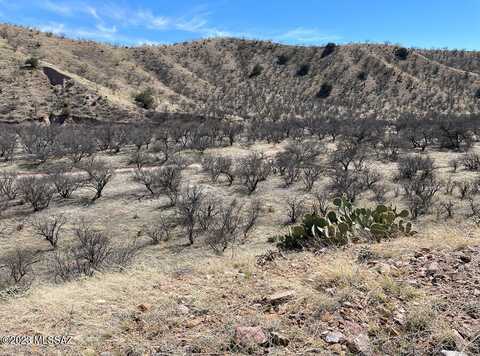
<point>240,77</point>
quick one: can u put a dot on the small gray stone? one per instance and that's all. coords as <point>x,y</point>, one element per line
<point>452,353</point>
<point>334,337</point>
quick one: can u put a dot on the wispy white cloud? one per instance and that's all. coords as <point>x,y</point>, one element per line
<point>93,12</point>
<point>99,33</point>
<point>111,21</point>
<point>63,9</point>
<point>305,35</point>
<point>105,29</point>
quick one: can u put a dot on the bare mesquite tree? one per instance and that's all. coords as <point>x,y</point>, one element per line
<point>37,191</point>
<point>9,184</point>
<point>252,170</point>
<point>217,166</point>
<point>161,230</point>
<point>65,181</point>
<point>75,143</point>
<point>188,205</point>
<point>49,228</point>
<point>8,142</point>
<point>19,264</point>
<point>99,174</point>
<point>227,224</point>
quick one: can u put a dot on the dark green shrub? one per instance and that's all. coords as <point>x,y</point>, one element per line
<point>329,49</point>
<point>256,71</point>
<point>303,70</point>
<point>477,93</point>
<point>325,91</point>
<point>32,62</point>
<point>282,59</point>
<point>145,99</point>
<point>362,76</point>
<point>401,53</point>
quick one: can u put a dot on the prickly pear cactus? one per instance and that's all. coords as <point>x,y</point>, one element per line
<point>340,226</point>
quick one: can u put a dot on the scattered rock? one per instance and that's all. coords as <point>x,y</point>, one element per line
<point>433,268</point>
<point>452,353</point>
<point>334,337</point>
<point>250,335</point>
<point>183,309</point>
<point>384,268</point>
<point>143,307</point>
<point>279,339</point>
<point>360,345</point>
<point>280,298</point>
<point>399,317</point>
<point>193,323</point>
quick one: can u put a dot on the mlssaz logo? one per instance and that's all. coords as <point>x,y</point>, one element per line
<point>51,340</point>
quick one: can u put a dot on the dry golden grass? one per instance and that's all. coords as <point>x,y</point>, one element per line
<point>141,308</point>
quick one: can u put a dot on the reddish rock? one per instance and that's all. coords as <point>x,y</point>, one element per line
<point>250,335</point>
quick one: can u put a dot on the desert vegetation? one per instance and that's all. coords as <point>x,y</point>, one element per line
<point>261,209</point>
<point>86,199</point>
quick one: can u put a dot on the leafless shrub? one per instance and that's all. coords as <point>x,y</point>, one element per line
<point>447,208</point>
<point>65,182</point>
<point>465,189</point>
<point>37,191</point>
<point>449,186</point>
<point>474,211</point>
<point>163,145</point>
<point>412,166</point>
<point>370,177</point>
<point>471,161</point>
<point>151,179</point>
<point>93,248</point>
<point>348,153</point>
<point>252,170</point>
<point>295,209</point>
<point>254,210</point>
<point>211,166</point>
<point>39,141</point>
<point>161,231</point>
<point>8,184</point>
<point>379,193</point>
<point>99,174</point>
<point>140,136</point>
<point>208,211</point>
<point>123,256</point>
<point>419,193</point>
<point>310,174</point>
<point>215,166</point>
<point>345,182</point>
<point>164,180</point>
<point>189,204</point>
<point>8,142</point>
<point>223,231</point>
<point>140,159</point>
<point>390,148</point>
<point>92,252</point>
<point>454,164</point>
<point>19,264</point>
<point>321,203</point>
<point>75,143</point>
<point>49,228</point>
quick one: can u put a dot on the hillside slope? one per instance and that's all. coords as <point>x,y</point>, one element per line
<point>238,76</point>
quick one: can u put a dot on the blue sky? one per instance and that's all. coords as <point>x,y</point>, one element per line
<point>420,23</point>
